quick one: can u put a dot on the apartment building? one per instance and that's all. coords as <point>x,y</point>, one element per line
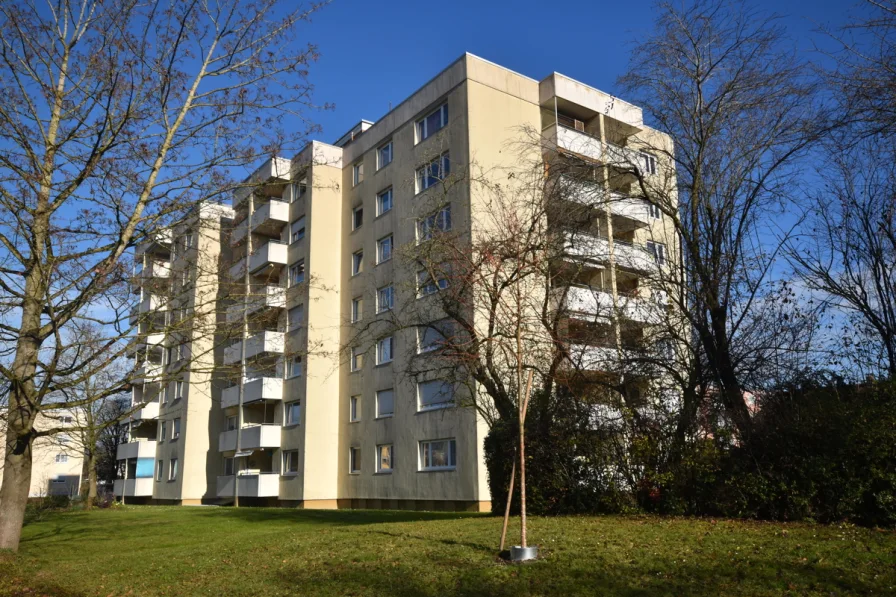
<point>57,461</point>
<point>316,406</point>
<point>176,388</point>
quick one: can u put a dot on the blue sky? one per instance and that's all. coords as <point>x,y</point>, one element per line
<point>374,53</point>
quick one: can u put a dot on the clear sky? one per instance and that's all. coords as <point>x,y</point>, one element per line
<point>374,53</point>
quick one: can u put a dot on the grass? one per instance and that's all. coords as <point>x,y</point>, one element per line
<point>224,551</point>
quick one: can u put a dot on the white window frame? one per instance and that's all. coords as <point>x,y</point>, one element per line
<point>357,173</point>
<point>438,221</point>
<point>290,457</point>
<point>163,431</point>
<point>382,293</point>
<point>296,317</point>
<point>657,251</point>
<point>62,458</point>
<point>160,469</point>
<point>297,273</point>
<point>358,262</point>
<point>385,147</point>
<point>421,336</point>
<point>296,367</point>
<point>172,469</point>
<point>423,178</point>
<point>381,394</point>
<point>297,232</point>
<point>430,286</point>
<point>357,217</point>
<point>354,460</point>
<point>354,409</point>
<point>175,429</point>
<point>357,309</point>
<point>647,163</point>
<point>385,350</point>
<point>422,128</point>
<point>425,455</point>
<point>379,459</point>
<point>232,466</point>
<point>292,417</point>
<point>357,359</point>
<point>438,405</point>
<point>654,212</point>
<point>384,248</point>
<point>178,389</point>
<point>381,201</point>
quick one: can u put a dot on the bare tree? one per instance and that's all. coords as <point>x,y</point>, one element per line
<point>722,81</point>
<point>118,117</point>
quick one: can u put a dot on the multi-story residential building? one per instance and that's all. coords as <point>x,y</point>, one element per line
<point>311,416</point>
<point>57,461</point>
<point>176,386</point>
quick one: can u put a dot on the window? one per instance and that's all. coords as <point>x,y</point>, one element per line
<point>433,172</point>
<point>228,466</point>
<point>384,249</point>
<point>66,420</point>
<point>384,458</point>
<point>658,250</point>
<point>297,230</point>
<point>647,163</point>
<point>163,431</point>
<point>357,263</point>
<point>357,173</point>
<point>63,439</point>
<point>166,394</point>
<point>432,123</point>
<point>433,224</point>
<point>160,464</point>
<point>172,470</point>
<point>298,190</point>
<point>290,462</point>
<point>357,361</point>
<point>385,403</point>
<point>434,394</point>
<point>175,429</point>
<point>297,273</point>
<point>440,454</point>
<point>178,389</point>
<point>61,458</point>
<point>357,309</point>
<point>295,367</point>
<point>384,202</point>
<point>354,460</point>
<point>654,211</point>
<point>426,285</point>
<point>385,299</point>
<point>431,337</point>
<point>295,317</point>
<point>357,217</point>
<point>231,422</point>
<point>354,409</point>
<point>294,413</point>
<point>384,155</point>
<point>384,351</point>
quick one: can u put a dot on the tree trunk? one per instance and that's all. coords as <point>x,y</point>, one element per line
<point>91,480</point>
<point>16,484</point>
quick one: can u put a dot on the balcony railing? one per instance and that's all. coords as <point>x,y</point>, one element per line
<point>596,304</point>
<point>250,485</point>
<point>262,343</point>
<point>136,449</point>
<point>254,437</point>
<point>254,390</point>
<point>596,248</point>
<point>267,297</point>
<point>139,487</point>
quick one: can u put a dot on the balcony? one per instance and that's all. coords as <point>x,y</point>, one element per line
<point>271,254</point>
<point>255,437</point>
<point>250,485</point>
<point>596,248</point>
<point>595,358</point>
<point>148,412</point>
<point>137,449</point>
<point>267,220</point>
<point>573,141</point>
<point>156,270</point>
<point>274,172</point>
<point>596,304</point>
<point>593,195</point>
<point>143,342</point>
<point>262,344</point>
<point>158,243</point>
<point>139,487</point>
<point>147,372</point>
<point>254,390</point>
<point>268,297</point>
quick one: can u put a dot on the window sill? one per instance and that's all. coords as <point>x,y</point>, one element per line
<point>386,364</point>
<point>440,469</point>
<point>295,474</point>
<point>384,417</point>
<point>382,215</point>
<point>383,473</point>
<point>353,422</point>
<point>437,407</point>
<point>355,473</point>
<point>291,425</point>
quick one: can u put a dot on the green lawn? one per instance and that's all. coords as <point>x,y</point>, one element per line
<point>223,551</point>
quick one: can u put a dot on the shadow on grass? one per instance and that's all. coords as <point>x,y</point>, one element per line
<point>331,517</point>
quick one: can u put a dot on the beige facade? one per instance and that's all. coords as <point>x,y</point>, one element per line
<point>57,461</point>
<point>316,406</point>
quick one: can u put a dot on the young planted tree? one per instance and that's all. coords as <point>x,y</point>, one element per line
<point>117,118</point>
